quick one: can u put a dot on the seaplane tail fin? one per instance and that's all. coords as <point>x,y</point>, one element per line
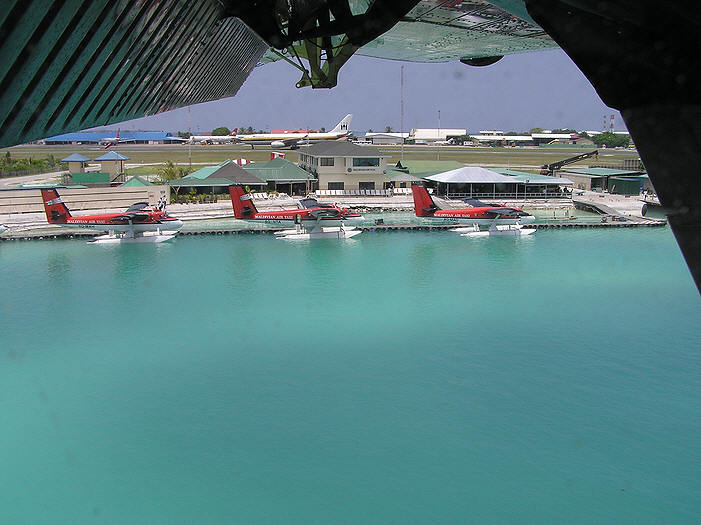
<point>344,125</point>
<point>242,203</point>
<point>423,203</point>
<point>56,211</point>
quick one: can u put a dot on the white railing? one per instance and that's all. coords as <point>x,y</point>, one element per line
<point>353,193</point>
<point>511,195</point>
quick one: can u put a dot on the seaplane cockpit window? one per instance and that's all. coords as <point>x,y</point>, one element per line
<point>138,206</point>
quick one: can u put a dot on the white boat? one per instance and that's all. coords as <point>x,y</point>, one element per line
<point>145,237</point>
<point>3,229</point>
<point>494,230</point>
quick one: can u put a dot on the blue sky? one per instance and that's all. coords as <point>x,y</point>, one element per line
<point>541,89</point>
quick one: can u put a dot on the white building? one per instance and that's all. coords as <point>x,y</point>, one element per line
<point>421,135</point>
<point>386,138</point>
<point>342,165</point>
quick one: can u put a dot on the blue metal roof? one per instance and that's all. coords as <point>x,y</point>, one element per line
<point>96,136</point>
<point>76,157</point>
<point>112,155</point>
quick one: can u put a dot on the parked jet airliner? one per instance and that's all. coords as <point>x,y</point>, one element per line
<point>293,140</point>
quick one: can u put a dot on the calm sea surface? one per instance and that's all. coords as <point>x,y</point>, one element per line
<point>402,377</point>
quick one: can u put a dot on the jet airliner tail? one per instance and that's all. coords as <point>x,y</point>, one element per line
<point>423,203</point>
<point>56,211</point>
<point>242,203</point>
<point>344,125</point>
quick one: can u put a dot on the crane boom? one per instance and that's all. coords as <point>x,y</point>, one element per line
<point>549,169</point>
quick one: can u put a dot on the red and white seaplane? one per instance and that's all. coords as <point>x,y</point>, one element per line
<point>139,223</point>
<point>500,220</point>
<point>311,221</point>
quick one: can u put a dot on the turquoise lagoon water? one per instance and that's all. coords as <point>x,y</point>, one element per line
<point>402,377</point>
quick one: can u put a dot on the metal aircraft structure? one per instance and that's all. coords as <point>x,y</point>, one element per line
<point>139,223</point>
<point>69,65</point>
<point>478,215</point>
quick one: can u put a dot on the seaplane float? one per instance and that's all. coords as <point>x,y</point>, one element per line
<point>140,223</point>
<point>494,230</point>
<point>311,220</point>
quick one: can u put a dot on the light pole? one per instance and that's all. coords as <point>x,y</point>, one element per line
<point>439,136</point>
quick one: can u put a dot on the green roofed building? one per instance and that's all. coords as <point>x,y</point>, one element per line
<point>282,175</point>
<point>597,179</point>
<point>534,185</point>
<point>136,181</point>
<point>217,179</point>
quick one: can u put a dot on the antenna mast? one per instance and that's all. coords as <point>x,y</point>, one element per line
<point>401,97</point>
<point>189,142</point>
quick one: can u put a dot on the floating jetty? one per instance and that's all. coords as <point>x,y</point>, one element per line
<point>550,225</point>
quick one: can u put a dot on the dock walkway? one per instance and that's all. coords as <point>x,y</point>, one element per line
<point>59,234</point>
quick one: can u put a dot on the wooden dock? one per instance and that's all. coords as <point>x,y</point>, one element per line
<point>551,225</point>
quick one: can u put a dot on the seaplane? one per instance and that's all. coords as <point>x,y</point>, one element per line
<point>139,223</point>
<point>323,221</point>
<point>500,220</point>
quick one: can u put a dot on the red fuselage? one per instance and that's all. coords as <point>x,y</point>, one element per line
<point>245,209</point>
<point>152,217</point>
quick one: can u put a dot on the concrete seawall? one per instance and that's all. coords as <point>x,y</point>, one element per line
<point>21,201</point>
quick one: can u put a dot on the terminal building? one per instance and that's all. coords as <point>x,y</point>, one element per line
<point>342,165</point>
